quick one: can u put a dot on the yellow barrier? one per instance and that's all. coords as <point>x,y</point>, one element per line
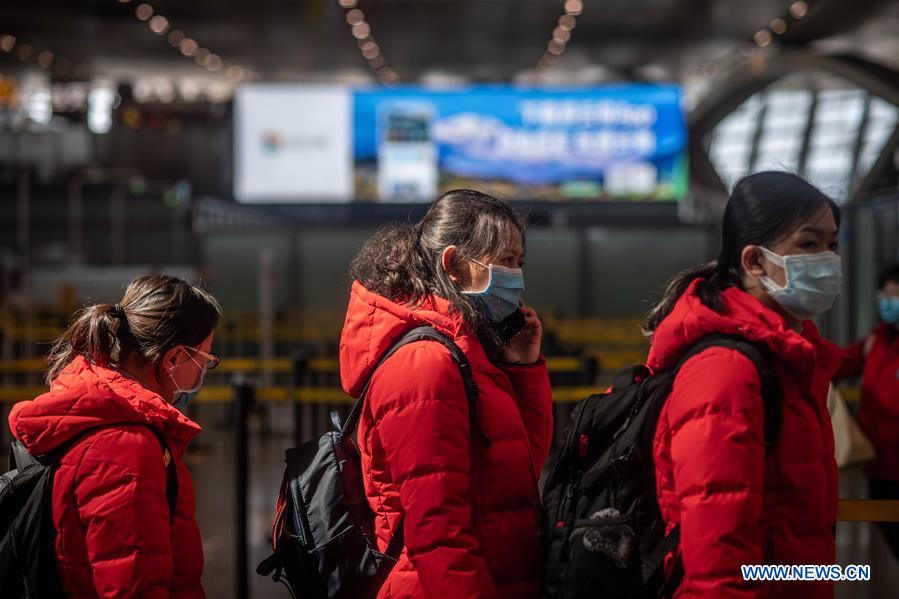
<point>24,366</point>
<point>14,394</point>
<point>279,365</point>
<point>592,332</point>
<point>224,393</point>
<point>314,395</point>
<point>868,510</point>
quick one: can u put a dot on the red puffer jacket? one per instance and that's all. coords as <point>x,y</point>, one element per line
<point>876,359</point>
<point>471,511</point>
<point>735,504</point>
<point>114,536</point>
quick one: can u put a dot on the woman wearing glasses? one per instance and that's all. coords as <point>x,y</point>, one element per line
<point>123,501</point>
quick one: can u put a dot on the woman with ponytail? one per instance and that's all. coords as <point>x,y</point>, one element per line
<point>116,378</point>
<point>469,503</point>
<point>736,501</point>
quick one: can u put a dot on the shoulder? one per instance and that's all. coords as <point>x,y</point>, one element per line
<point>717,377</point>
<point>419,372</point>
<point>419,360</point>
<point>131,447</point>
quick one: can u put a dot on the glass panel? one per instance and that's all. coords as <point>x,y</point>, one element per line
<point>882,120</point>
<point>732,140</point>
<point>833,139</point>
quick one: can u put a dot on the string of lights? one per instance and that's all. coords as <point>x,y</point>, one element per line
<point>779,26</point>
<point>372,54</point>
<point>561,36</point>
<point>369,48</point>
<point>45,59</point>
<point>191,48</point>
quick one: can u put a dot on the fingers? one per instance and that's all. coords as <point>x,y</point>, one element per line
<point>526,310</point>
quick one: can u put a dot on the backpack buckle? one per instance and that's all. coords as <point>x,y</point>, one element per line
<point>620,465</point>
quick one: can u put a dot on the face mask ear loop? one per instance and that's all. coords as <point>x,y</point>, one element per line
<point>200,366</point>
<point>773,257</point>
<point>172,369</point>
<point>489,278</point>
<point>178,389</point>
<point>767,282</point>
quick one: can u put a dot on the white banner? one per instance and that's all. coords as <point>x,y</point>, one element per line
<point>293,143</point>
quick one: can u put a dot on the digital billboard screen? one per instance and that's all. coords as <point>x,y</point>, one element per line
<point>407,144</point>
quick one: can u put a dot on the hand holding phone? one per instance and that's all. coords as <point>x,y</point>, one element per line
<point>525,334</point>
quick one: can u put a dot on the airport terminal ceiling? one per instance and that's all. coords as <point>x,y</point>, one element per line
<point>182,63</point>
<point>442,40</point>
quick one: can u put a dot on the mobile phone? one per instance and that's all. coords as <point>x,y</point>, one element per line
<point>510,326</point>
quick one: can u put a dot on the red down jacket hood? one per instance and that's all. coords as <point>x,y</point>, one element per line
<point>746,316</point>
<point>84,396</point>
<point>374,323</point>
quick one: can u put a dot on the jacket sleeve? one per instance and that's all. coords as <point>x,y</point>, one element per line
<point>854,361</point>
<point>535,402</point>
<point>716,417</point>
<point>422,422</point>
<point>120,493</point>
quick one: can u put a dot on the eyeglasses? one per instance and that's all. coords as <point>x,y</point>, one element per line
<point>211,359</point>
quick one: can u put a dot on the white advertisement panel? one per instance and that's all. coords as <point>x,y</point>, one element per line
<point>293,143</point>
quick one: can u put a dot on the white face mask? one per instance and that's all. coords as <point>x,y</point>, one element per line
<point>812,282</point>
<point>181,397</point>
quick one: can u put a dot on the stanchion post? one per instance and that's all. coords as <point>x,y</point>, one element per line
<point>591,367</point>
<point>243,401</point>
<point>300,372</point>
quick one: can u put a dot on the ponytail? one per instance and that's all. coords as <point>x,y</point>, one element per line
<point>386,262</point>
<point>96,332</point>
<point>157,313</point>
<point>715,279</point>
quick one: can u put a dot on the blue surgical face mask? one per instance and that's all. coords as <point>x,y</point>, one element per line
<point>500,297</point>
<point>181,397</point>
<point>889,309</point>
<point>812,282</point>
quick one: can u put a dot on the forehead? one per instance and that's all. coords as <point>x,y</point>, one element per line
<point>820,223</point>
<point>514,240</point>
<point>507,240</point>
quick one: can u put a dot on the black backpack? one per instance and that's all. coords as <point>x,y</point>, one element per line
<point>323,536</point>
<point>603,532</point>
<point>27,535</point>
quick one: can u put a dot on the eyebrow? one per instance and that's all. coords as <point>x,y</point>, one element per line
<point>811,229</point>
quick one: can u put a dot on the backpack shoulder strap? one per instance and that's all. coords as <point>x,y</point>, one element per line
<point>760,355</point>
<point>424,333</point>
<point>52,458</point>
<point>19,457</point>
<point>171,474</point>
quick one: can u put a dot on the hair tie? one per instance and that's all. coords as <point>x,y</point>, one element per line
<point>117,311</point>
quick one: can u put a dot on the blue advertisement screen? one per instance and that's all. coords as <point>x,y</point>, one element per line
<point>609,142</point>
